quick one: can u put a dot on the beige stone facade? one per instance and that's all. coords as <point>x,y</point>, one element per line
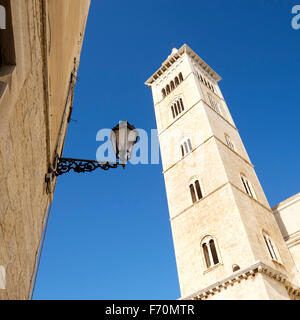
<point>40,52</point>
<point>228,230</point>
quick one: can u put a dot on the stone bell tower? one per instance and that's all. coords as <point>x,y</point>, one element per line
<point>227,242</point>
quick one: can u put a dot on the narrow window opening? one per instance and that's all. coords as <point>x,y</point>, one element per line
<point>249,189</point>
<point>172,85</point>
<point>206,255</point>
<point>182,106</point>
<point>176,110</point>
<point>178,105</point>
<point>186,147</point>
<point>210,252</point>
<point>190,145</point>
<point>270,248</point>
<point>198,189</point>
<point>173,113</point>
<point>182,150</point>
<point>229,142</point>
<point>193,194</point>
<point>213,252</point>
<point>180,77</point>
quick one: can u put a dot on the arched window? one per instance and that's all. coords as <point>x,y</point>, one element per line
<point>229,142</point>
<point>172,85</point>
<point>176,82</point>
<point>176,110</point>
<point>182,150</point>
<point>214,104</point>
<point>195,190</point>
<point>177,106</point>
<point>181,103</point>
<point>210,252</point>
<point>247,186</point>
<point>271,247</point>
<point>173,112</point>
<point>163,92</point>
<point>206,255</point>
<point>186,146</point>
<point>180,77</point>
<point>168,89</point>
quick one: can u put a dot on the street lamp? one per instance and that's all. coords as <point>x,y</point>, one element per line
<point>123,138</point>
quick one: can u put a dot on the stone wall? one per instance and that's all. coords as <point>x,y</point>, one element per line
<point>32,107</point>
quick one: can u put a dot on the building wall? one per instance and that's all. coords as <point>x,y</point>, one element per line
<point>47,36</point>
<point>287,215</point>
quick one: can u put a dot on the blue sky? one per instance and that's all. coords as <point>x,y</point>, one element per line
<point>109,235</point>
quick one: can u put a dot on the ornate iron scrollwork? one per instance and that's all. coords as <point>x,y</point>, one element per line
<point>65,165</point>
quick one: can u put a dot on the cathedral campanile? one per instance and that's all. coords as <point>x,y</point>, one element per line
<point>226,240</point>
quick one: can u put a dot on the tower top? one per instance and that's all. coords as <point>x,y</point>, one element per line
<point>174,56</point>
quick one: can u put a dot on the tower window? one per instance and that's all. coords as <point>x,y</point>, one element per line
<point>176,81</point>
<point>206,82</point>
<point>271,247</point>
<point>172,85</point>
<point>173,111</point>
<point>229,142</point>
<point>247,186</point>
<point>168,89</point>
<point>214,104</point>
<point>206,255</point>
<point>186,147</point>
<point>177,107</point>
<point>195,190</point>
<point>180,77</point>
<point>210,252</point>
<point>181,103</point>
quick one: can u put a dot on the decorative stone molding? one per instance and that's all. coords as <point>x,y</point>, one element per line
<point>185,49</point>
<point>245,274</point>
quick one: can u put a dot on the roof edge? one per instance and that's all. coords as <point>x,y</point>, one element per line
<point>174,57</point>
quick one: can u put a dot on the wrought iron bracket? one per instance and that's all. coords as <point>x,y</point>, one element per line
<point>65,165</point>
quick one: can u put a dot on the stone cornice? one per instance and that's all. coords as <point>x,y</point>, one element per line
<point>286,203</point>
<point>174,57</point>
<point>244,274</point>
<point>293,239</point>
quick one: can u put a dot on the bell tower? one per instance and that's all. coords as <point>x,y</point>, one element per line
<point>226,240</point>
